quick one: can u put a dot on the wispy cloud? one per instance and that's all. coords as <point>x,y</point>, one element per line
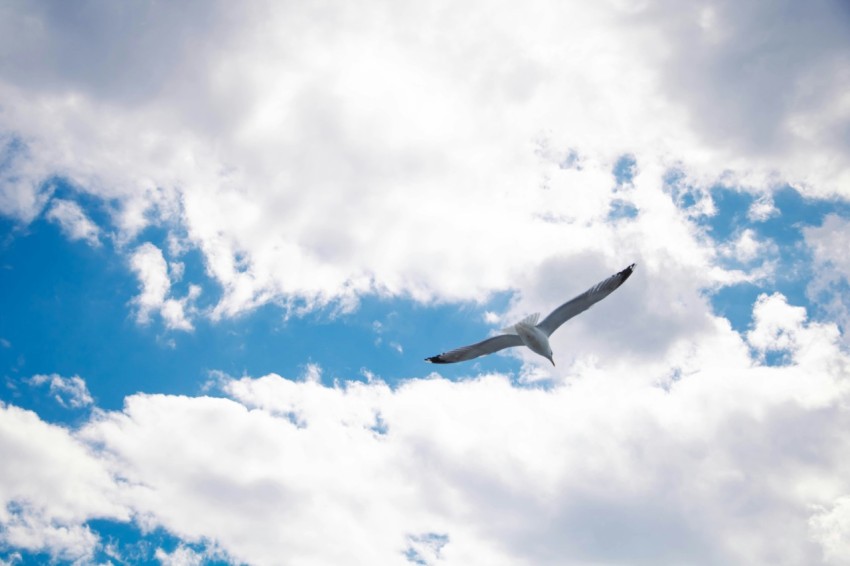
<point>184,555</point>
<point>73,221</point>
<point>155,279</point>
<point>70,392</point>
<point>830,284</point>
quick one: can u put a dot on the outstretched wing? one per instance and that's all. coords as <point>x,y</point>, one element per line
<point>482,348</point>
<point>584,301</point>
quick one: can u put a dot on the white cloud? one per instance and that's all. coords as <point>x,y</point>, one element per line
<point>50,485</point>
<point>30,530</point>
<point>776,324</point>
<point>831,268</point>
<point>181,556</point>
<point>825,242</point>
<point>12,559</point>
<point>153,273</point>
<point>734,461</point>
<point>830,527</point>
<point>70,392</point>
<point>73,221</point>
<point>697,454</point>
<point>748,247</point>
<point>491,317</point>
<point>780,327</point>
<point>480,471</point>
<point>397,152</point>
<point>762,209</point>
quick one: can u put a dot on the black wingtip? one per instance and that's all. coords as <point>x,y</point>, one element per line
<point>626,273</point>
<point>436,360</point>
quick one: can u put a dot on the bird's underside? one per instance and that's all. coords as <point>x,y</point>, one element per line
<point>542,330</point>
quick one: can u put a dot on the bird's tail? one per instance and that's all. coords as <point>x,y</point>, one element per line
<point>530,320</point>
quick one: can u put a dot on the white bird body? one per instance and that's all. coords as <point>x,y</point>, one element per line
<point>535,339</point>
<point>529,333</point>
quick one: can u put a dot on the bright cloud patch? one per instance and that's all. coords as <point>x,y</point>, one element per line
<point>734,461</point>
<point>186,556</point>
<point>153,273</point>
<point>70,392</point>
<point>74,221</point>
<point>481,471</point>
<point>781,329</point>
<point>313,172</point>
<point>747,248</point>
<point>716,457</point>
<point>50,485</point>
<point>831,529</point>
<point>831,282</point>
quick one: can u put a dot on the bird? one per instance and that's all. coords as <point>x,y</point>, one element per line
<point>529,332</point>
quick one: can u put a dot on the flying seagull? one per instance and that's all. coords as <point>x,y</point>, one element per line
<point>533,335</point>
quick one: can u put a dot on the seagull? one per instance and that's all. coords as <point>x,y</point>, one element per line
<point>533,335</point>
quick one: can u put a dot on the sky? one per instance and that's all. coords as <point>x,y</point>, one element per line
<point>230,233</point>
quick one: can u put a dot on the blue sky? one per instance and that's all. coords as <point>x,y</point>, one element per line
<point>66,298</point>
<point>230,235</point>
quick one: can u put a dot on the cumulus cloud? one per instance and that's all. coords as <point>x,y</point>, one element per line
<point>830,527</point>
<point>32,531</point>
<point>50,485</point>
<point>481,471</point>
<point>155,297</point>
<point>767,84</point>
<point>73,221</point>
<point>185,556</point>
<point>683,457</point>
<point>312,171</point>
<point>748,247</point>
<point>70,392</point>
<point>782,328</point>
<point>831,268</point>
<point>762,208</point>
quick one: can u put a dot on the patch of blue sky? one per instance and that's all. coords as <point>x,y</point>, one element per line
<point>776,358</point>
<point>10,147</point>
<point>98,210</point>
<point>20,557</point>
<point>624,169</point>
<point>571,160</point>
<point>784,229</point>
<point>795,213</point>
<point>379,337</point>
<point>683,195</point>
<point>121,543</point>
<point>67,309</point>
<point>622,209</point>
<point>422,548</point>
<point>131,545</point>
<point>64,310</point>
<point>193,271</point>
